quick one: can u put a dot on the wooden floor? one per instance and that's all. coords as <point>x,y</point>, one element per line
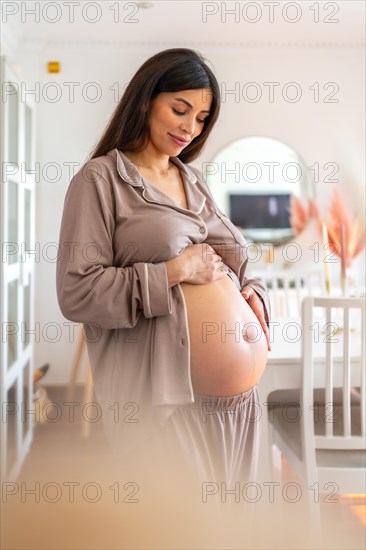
<point>71,494</point>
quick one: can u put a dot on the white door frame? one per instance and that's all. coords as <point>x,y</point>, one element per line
<point>17,270</point>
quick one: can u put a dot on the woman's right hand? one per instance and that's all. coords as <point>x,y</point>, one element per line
<point>198,264</point>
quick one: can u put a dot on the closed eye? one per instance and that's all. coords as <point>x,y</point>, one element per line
<point>180,113</point>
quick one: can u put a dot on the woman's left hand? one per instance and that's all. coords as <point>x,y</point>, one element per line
<point>257,306</point>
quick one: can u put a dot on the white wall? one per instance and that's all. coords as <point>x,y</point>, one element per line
<point>320,132</point>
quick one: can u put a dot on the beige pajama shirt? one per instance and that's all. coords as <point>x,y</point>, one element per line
<point>116,231</point>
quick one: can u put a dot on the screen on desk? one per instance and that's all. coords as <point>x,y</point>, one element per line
<point>260,211</point>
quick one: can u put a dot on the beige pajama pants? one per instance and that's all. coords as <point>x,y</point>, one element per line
<point>215,439</point>
<point>191,470</point>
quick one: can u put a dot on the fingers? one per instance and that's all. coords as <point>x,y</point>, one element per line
<point>266,332</point>
<point>263,324</point>
<point>209,255</point>
<point>219,272</point>
<point>258,308</point>
<point>217,263</point>
<point>208,250</point>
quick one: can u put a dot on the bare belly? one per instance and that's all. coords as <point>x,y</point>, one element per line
<point>228,348</point>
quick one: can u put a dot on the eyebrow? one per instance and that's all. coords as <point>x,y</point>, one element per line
<point>188,104</point>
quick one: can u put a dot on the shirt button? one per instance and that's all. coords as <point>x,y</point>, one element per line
<point>202,229</point>
<point>182,341</point>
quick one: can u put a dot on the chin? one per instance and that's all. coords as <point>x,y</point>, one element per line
<point>168,149</point>
<point>173,151</point>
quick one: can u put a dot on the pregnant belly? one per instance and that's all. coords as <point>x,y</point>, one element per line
<point>228,348</point>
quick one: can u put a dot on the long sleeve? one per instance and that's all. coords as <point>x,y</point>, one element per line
<point>90,288</point>
<point>238,248</point>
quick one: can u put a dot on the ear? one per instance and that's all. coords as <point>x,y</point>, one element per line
<point>146,107</point>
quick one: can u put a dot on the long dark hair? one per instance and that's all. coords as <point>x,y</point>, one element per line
<point>167,71</point>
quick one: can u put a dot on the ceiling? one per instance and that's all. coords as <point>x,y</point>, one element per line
<point>184,23</point>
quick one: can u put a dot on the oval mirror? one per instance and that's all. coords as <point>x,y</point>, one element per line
<point>252,180</point>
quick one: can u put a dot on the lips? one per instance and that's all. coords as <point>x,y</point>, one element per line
<point>179,140</point>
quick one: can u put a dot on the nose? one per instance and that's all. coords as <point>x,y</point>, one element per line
<point>188,125</point>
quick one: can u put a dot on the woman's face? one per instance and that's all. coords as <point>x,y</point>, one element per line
<point>176,118</point>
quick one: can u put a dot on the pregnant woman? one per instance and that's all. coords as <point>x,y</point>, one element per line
<point>177,335</point>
